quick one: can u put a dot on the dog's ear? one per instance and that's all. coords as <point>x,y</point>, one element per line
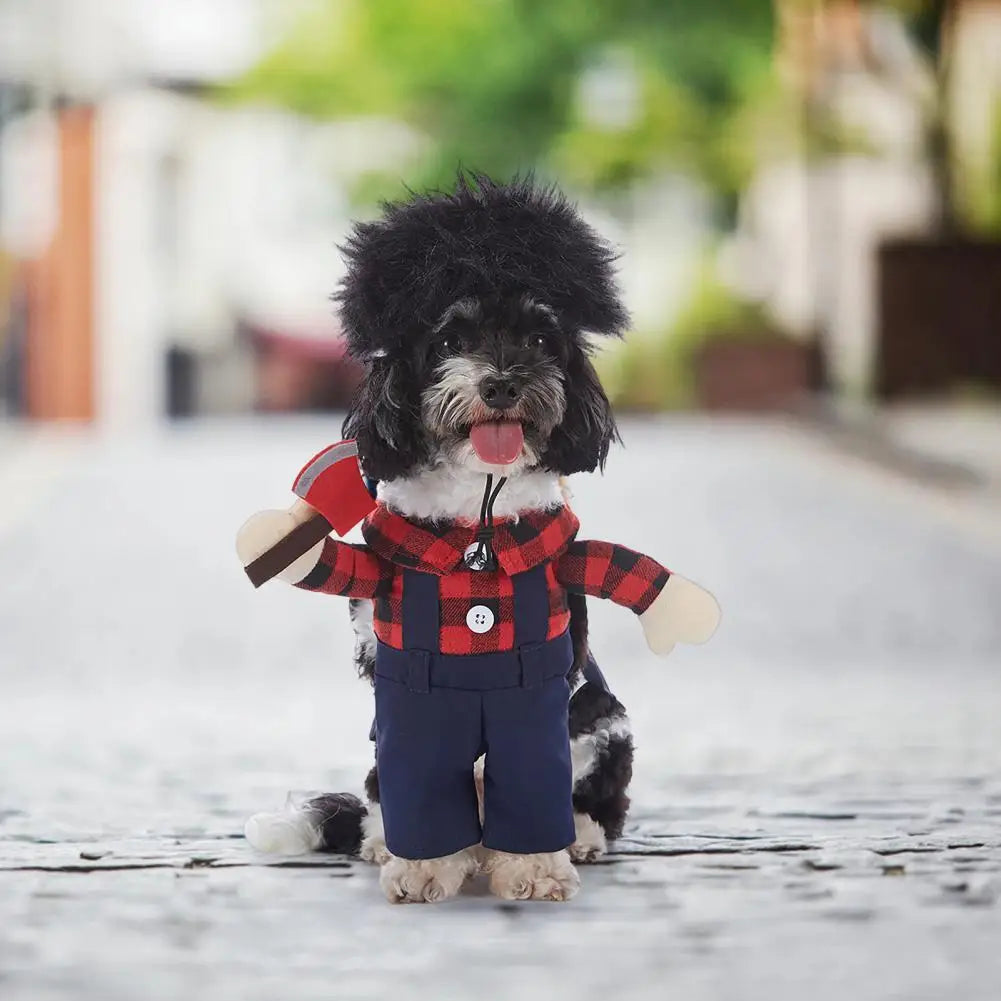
<point>580,442</point>
<point>384,418</point>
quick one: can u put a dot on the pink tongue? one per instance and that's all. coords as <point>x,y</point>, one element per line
<point>497,442</point>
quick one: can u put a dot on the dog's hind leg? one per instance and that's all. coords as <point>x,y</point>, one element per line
<point>373,842</point>
<point>601,744</point>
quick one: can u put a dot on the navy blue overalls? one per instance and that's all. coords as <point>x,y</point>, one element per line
<point>437,713</point>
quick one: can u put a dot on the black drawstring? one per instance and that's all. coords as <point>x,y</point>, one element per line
<point>483,558</point>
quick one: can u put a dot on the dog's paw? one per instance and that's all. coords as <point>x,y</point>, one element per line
<point>589,844</point>
<point>373,843</point>
<point>429,881</point>
<point>548,876</point>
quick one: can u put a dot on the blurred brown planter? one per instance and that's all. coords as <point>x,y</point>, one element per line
<point>752,372</point>
<point>301,373</point>
<point>939,317</point>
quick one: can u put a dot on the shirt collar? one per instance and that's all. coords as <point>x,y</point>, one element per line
<point>439,547</point>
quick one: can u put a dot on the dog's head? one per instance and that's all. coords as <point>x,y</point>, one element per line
<point>470,312</point>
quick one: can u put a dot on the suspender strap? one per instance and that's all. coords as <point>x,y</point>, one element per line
<point>420,627</point>
<point>531,606</point>
<point>420,611</point>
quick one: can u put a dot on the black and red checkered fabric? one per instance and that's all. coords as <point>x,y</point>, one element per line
<point>394,544</point>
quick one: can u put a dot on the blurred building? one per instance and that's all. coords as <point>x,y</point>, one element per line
<point>813,224</point>
<point>163,251</point>
<point>156,243</point>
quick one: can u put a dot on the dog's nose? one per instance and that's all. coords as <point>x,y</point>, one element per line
<point>499,392</point>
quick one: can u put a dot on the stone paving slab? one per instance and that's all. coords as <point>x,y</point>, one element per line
<point>817,802</point>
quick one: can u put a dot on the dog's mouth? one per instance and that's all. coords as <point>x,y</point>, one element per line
<point>498,443</point>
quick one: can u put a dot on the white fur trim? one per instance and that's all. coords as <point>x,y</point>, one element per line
<point>452,493</point>
<point>549,876</point>
<point>406,881</point>
<point>682,613</point>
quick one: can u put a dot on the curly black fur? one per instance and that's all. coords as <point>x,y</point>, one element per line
<point>372,784</point>
<point>602,794</point>
<point>580,443</point>
<point>482,240</point>
<point>501,247</point>
<point>589,705</point>
<point>338,816</point>
<point>385,418</point>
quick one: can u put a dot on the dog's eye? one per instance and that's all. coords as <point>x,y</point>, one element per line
<point>540,341</point>
<point>450,345</point>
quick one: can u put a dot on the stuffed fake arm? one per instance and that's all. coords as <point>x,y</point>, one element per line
<point>331,566</point>
<point>671,608</point>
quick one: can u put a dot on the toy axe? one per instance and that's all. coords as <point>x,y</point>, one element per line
<point>331,484</point>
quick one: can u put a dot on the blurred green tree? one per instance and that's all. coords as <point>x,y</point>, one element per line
<point>501,85</point>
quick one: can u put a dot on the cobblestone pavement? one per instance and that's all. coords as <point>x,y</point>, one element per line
<point>817,804</point>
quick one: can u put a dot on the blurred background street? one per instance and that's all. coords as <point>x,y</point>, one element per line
<point>817,801</point>
<point>807,196</point>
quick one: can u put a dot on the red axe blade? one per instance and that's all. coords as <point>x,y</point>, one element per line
<point>330,483</point>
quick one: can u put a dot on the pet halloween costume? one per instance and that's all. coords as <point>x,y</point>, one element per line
<point>488,646</point>
<point>469,312</point>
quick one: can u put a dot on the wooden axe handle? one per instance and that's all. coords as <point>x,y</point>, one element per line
<point>283,554</point>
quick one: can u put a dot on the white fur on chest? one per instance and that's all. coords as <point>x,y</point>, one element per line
<point>450,493</point>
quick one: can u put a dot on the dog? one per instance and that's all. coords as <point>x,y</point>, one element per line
<point>473,313</point>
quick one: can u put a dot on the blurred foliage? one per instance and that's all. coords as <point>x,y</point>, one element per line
<point>495,83</point>
<point>658,371</point>
<point>978,186</point>
<point>714,310</point>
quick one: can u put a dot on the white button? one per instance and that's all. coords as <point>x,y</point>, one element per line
<point>480,619</point>
<point>471,560</point>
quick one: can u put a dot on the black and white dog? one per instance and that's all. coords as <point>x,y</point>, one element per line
<point>469,307</point>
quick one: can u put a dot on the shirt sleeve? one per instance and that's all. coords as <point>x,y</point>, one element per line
<point>348,570</point>
<point>605,570</point>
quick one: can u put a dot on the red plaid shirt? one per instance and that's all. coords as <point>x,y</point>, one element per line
<point>375,570</point>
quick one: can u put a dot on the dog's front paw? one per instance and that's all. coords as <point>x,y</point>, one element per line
<point>548,876</point>
<point>427,881</point>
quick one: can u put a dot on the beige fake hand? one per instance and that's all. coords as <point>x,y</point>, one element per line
<point>682,613</point>
<point>266,528</point>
